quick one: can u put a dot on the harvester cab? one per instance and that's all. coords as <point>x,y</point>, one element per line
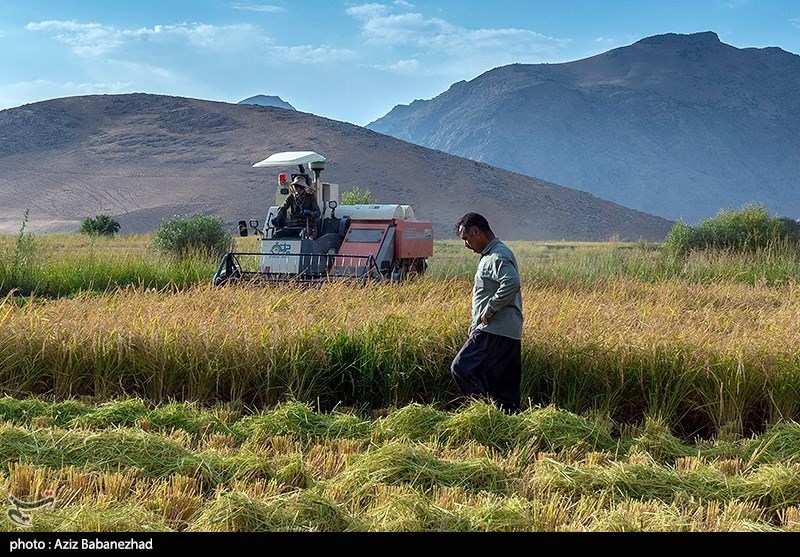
<point>366,242</point>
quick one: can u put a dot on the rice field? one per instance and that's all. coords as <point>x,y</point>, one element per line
<point>129,466</point>
<point>662,395</point>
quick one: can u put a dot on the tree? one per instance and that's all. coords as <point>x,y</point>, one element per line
<point>101,225</point>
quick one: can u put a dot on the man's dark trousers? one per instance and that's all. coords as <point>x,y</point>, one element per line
<point>490,365</point>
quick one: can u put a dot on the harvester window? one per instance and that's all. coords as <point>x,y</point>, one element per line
<point>366,236</point>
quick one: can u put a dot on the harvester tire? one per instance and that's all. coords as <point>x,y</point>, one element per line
<point>417,268</point>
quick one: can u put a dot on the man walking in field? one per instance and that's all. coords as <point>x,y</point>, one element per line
<point>490,362</point>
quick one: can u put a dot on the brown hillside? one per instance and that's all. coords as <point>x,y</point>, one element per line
<point>140,158</point>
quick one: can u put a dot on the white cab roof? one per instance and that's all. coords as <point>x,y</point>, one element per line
<point>289,158</point>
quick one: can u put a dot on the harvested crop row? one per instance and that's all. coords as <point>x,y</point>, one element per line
<point>290,468</point>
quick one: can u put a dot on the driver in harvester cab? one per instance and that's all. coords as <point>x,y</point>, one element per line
<point>300,209</point>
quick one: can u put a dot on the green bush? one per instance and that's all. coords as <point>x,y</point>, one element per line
<point>101,225</point>
<point>792,228</point>
<point>201,234</point>
<point>357,197</point>
<point>749,229</point>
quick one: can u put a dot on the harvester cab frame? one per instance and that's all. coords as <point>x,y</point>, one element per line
<point>366,242</point>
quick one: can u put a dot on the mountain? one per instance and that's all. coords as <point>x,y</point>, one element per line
<point>267,100</point>
<point>140,158</point>
<point>679,126</point>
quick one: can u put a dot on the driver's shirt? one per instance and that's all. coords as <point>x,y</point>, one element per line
<point>295,205</point>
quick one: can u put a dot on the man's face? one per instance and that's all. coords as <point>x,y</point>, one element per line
<point>473,239</point>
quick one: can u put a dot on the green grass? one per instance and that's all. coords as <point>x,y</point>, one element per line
<point>62,265</point>
<point>55,265</point>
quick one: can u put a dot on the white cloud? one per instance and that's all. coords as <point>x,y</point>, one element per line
<point>86,39</point>
<point>258,8</point>
<point>401,67</point>
<point>397,25</point>
<point>93,39</point>
<point>367,11</point>
<point>408,29</point>
<point>381,27</point>
<point>311,54</point>
<point>207,36</point>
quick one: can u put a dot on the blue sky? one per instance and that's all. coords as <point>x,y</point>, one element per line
<point>346,60</point>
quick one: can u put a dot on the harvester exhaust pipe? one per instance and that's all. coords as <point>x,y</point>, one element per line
<point>317,167</point>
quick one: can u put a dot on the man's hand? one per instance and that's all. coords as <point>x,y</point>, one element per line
<point>485,317</point>
<point>307,213</point>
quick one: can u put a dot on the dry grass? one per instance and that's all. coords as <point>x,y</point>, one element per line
<point>702,357</point>
<point>106,478</point>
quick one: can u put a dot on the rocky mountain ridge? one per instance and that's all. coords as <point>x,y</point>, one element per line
<point>678,126</point>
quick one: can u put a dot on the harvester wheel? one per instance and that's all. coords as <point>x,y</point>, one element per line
<point>223,279</point>
<point>229,271</point>
<point>417,268</point>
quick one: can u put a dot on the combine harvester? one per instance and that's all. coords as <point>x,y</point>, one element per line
<point>362,242</point>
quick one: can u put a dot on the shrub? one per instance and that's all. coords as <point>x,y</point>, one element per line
<point>792,228</point>
<point>749,229</point>
<point>357,197</point>
<point>101,225</point>
<point>201,234</point>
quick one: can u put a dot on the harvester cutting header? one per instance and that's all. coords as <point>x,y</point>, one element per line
<point>309,237</point>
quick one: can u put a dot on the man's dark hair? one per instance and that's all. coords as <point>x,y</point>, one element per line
<point>473,220</point>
